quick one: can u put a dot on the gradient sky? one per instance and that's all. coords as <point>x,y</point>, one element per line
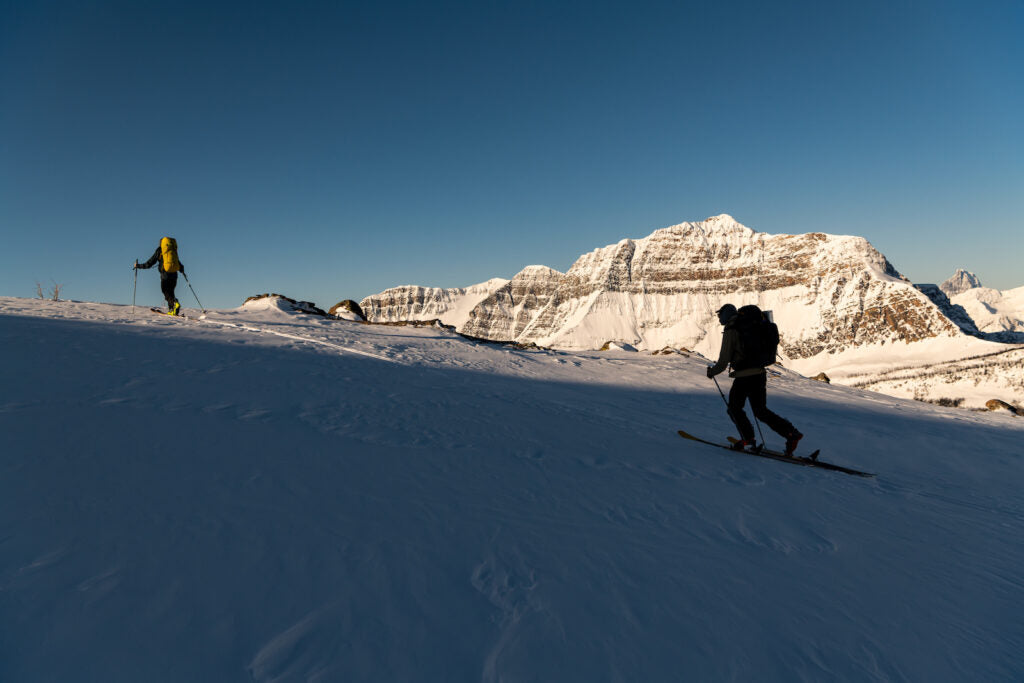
<point>330,150</point>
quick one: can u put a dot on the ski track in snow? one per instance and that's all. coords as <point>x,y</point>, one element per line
<point>262,497</point>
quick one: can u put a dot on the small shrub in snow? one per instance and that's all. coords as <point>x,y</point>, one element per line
<point>949,402</point>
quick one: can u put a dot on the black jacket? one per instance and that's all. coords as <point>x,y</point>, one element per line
<point>729,354</point>
<point>155,259</point>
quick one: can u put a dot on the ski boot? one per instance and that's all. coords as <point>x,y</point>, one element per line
<point>791,441</point>
<point>174,309</point>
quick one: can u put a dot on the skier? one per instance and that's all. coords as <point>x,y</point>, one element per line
<point>750,381</point>
<point>166,259</point>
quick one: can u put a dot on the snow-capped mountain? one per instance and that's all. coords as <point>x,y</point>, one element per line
<point>841,306</point>
<point>828,293</point>
<point>961,281</point>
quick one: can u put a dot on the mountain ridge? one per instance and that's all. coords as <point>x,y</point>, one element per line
<point>829,292</point>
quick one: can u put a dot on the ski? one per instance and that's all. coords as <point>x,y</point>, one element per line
<point>811,461</point>
<point>168,315</point>
<point>762,449</point>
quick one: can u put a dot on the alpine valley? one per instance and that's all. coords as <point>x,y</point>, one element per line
<point>841,306</point>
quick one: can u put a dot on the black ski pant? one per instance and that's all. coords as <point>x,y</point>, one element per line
<point>168,281</point>
<point>755,389</point>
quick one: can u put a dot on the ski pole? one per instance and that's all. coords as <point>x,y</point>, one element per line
<point>758,423</point>
<point>193,292</point>
<point>728,411</point>
<point>135,283</point>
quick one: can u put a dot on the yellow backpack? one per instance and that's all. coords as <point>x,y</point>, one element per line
<point>169,253</point>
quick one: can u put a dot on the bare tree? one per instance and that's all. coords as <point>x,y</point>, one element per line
<point>53,294</point>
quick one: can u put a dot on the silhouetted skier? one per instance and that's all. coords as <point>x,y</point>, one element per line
<point>747,353</point>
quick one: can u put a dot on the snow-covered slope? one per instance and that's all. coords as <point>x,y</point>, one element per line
<point>269,496</point>
<point>996,313</point>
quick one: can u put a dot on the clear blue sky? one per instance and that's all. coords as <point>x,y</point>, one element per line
<point>330,150</point>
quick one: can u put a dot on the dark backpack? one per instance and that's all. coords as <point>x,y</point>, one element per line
<point>758,339</point>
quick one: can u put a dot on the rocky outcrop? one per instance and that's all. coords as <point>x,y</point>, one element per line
<point>996,404</point>
<point>822,377</point>
<point>617,346</point>
<point>669,351</point>
<point>347,310</point>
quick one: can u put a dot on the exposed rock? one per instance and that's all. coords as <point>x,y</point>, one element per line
<point>409,302</point>
<point>668,350</point>
<point>617,346</point>
<point>347,310</point>
<point>292,304</point>
<point>958,314</point>
<point>418,323</point>
<point>996,404</point>
<point>822,377</point>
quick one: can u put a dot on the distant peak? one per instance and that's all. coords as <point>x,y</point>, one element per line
<point>720,218</point>
<point>722,223</point>
<point>536,271</point>
<point>725,222</point>
<point>961,281</point>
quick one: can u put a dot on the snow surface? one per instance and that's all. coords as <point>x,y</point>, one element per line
<point>994,311</point>
<point>270,496</point>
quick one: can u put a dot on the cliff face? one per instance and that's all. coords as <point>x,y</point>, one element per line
<point>828,293</point>
<point>409,302</point>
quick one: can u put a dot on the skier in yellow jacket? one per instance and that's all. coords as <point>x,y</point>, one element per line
<point>166,260</point>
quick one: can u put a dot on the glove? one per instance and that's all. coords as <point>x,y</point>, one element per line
<point>135,266</point>
<point>711,371</point>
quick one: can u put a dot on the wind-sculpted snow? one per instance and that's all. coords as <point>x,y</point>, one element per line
<point>828,293</point>
<point>272,496</point>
